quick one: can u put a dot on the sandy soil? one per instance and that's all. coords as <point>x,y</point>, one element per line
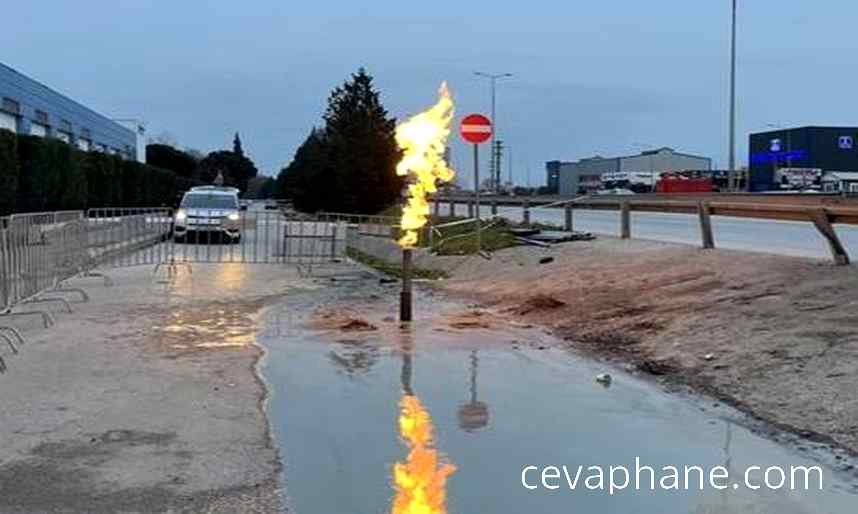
<point>775,336</point>
<point>146,399</point>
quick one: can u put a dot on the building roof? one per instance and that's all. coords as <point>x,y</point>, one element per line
<point>804,127</point>
<point>51,91</point>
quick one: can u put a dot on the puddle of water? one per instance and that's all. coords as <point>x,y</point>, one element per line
<point>335,409</point>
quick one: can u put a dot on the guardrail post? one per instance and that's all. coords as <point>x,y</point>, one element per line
<point>823,223</point>
<point>569,225</point>
<point>625,220</point>
<point>494,207</point>
<point>334,241</point>
<point>526,216</point>
<point>452,208</point>
<point>470,209</point>
<point>706,225</point>
<point>437,207</point>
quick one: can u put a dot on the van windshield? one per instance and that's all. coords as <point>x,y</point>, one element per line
<point>206,201</point>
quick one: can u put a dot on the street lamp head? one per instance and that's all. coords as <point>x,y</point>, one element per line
<point>493,76</point>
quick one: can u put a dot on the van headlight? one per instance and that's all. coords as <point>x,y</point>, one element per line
<point>181,215</point>
<point>233,216</point>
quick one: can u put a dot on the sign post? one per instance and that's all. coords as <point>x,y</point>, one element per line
<point>476,129</point>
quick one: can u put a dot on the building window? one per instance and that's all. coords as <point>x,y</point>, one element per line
<point>37,129</point>
<point>11,106</point>
<point>85,133</point>
<point>65,126</point>
<point>42,117</point>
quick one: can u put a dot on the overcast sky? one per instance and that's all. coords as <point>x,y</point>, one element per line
<point>607,77</point>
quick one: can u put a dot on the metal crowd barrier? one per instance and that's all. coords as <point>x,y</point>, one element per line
<point>119,237</point>
<point>261,237</point>
<point>39,252</point>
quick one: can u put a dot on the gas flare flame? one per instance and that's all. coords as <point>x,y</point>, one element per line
<point>420,481</point>
<point>423,140</point>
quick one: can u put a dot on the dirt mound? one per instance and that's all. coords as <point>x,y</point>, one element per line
<point>538,303</point>
<point>357,325</point>
<point>345,321</point>
<point>473,319</point>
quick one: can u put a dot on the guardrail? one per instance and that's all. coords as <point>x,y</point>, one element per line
<point>822,216</point>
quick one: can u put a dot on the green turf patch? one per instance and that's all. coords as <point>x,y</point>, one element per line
<point>392,269</point>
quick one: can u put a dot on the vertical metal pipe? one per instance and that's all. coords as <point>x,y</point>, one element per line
<point>405,313</point>
<point>479,228</point>
<point>569,221</point>
<point>732,160</point>
<point>526,213</point>
<point>625,221</point>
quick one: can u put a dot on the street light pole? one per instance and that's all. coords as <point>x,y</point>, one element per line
<point>732,161</point>
<point>493,77</point>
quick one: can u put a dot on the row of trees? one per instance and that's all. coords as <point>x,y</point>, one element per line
<point>39,174</point>
<point>233,166</point>
<point>348,165</point>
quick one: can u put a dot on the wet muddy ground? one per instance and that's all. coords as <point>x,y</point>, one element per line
<point>500,396</point>
<point>144,400</point>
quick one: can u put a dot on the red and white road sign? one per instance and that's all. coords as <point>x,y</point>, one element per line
<point>476,128</point>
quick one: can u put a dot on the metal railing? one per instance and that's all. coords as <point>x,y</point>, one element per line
<point>822,216</point>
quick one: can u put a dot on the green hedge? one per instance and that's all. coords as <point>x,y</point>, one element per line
<point>38,174</point>
<point>9,171</point>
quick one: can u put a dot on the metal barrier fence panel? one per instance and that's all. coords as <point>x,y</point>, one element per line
<point>128,237</point>
<point>39,251</point>
<point>131,237</point>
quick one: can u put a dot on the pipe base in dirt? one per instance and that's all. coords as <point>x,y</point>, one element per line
<point>405,313</point>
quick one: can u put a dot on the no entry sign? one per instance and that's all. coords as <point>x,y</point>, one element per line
<point>476,128</point>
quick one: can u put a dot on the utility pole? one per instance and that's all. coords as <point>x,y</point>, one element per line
<point>497,153</point>
<point>495,172</point>
<point>510,166</point>
<point>732,161</point>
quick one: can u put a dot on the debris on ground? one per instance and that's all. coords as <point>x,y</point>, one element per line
<point>604,379</point>
<point>532,242</point>
<point>657,367</point>
<point>560,236</point>
<point>546,260</point>
<point>523,231</point>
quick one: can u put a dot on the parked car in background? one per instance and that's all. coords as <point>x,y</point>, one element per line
<point>208,211</point>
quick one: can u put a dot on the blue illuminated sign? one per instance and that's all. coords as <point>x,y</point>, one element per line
<point>768,157</point>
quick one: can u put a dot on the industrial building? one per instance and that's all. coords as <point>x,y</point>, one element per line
<point>587,175</point>
<point>798,158</point>
<point>30,108</point>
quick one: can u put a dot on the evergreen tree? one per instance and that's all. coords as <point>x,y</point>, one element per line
<point>167,157</point>
<point>236,146</point>
<point>305,179</point>
<point>237,169</point>
<point>361,156</point>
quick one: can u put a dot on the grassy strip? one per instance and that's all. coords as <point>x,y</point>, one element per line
<point>462,239</point>
<point>394,270</point>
